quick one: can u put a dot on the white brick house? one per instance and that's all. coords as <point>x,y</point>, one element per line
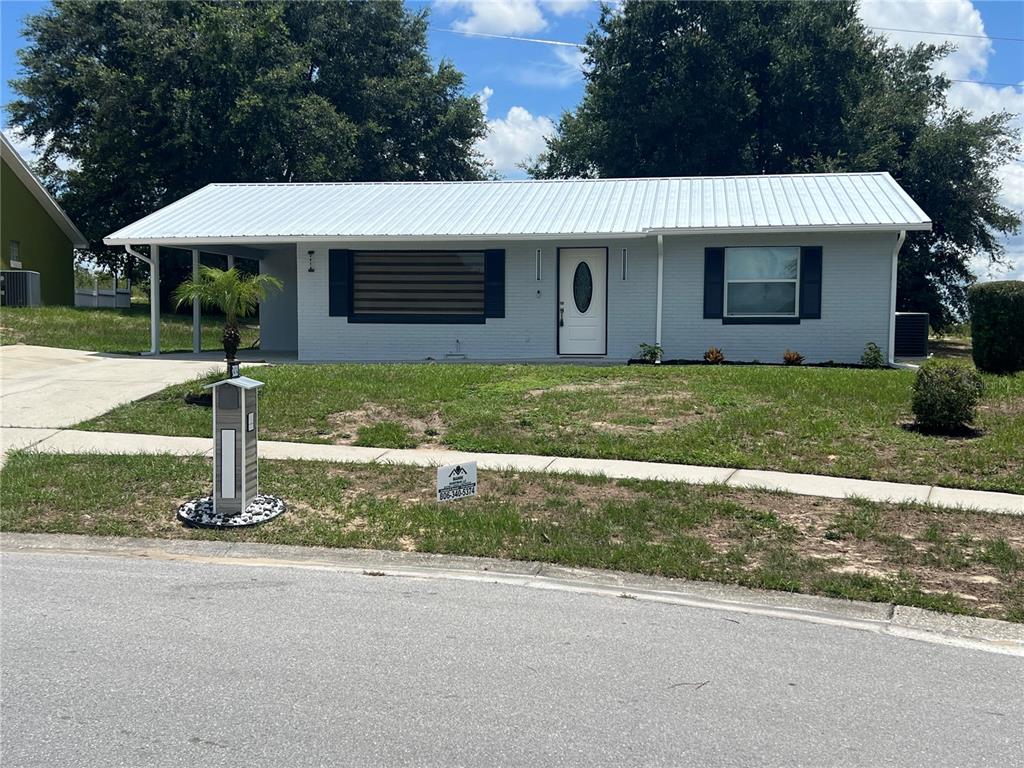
<point>560,270</point>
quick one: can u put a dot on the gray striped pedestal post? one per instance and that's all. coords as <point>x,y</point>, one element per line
<point>236,500</point>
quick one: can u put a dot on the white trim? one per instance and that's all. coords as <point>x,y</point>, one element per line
<point>245,434</point>
<point>227,463</point>
<point>214,456</point>
<point>197,313</point>
<point>41,194</point>
<point>891,352</point>
<point>491,236</point>
<point>661,289</point>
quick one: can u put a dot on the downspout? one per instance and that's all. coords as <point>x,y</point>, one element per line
<point>154,297</point>
<point>661,272</point>
<point>891,354</point>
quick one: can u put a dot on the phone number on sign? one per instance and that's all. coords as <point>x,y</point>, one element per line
<point>457,492</point>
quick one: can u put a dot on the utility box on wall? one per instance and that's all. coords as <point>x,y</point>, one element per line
<point>235,472</point>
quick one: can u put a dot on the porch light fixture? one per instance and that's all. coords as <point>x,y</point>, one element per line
<point>310,254</point>
<point>538,264</point>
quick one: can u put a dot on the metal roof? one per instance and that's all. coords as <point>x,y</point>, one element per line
<point>242,382</point>
<point>226,213</point>
<point>22,170</point>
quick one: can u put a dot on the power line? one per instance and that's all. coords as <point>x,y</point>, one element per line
<point>564,43</point>
<point>507,37</point>
<point>947,34</point>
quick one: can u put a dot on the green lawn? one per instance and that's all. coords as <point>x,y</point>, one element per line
<point>952,561</point>
<point>844,422</point>
<point>106,330</point>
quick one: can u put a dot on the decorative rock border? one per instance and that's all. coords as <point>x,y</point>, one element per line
<point>199,512</point>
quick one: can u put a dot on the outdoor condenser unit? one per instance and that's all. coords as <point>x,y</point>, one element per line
<point>19,288</point>
<point>911,334</point>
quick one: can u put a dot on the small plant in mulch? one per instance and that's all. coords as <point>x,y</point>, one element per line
<point>872,357</point>
<point>650,353</point>
<point>789,357</point>
<point>945,396</point>
<point>714,356</point>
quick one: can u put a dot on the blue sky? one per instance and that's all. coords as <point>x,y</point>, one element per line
<point>525,86</point>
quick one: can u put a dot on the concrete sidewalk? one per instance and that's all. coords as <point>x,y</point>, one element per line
<point>74,441</point>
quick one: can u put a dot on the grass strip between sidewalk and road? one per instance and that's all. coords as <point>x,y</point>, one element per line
<point>828,421</point>
<point>954,561</point>
<point>124,331</point>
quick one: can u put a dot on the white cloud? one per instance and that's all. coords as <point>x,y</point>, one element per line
<point>565,7</point>
<point>498,17</point>
<point>960,16</point>
<point>969,61</point>
<point>25,147</point>
<point>562,71</point>
<point>512,139</point>
<point>509,17</point>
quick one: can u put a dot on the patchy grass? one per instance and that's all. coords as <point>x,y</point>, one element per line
<point>842,422</point>
<point>892,553</point>
<point>107,330</point>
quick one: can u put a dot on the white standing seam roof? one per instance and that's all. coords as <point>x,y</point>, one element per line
<point>463,210</point>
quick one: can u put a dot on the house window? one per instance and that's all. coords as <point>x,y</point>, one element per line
<point>418,286</point>
<point>14,254</point>
<point>761,282</point>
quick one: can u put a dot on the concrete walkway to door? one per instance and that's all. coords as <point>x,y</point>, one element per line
<point>51,387</point>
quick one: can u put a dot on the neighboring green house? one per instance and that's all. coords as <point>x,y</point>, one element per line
<point>35,234</point>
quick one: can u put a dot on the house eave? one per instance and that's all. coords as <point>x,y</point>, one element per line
<point>190,242</point>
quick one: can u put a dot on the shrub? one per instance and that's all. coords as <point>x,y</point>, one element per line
<point>789,357</point>
<point>945,395</point>
<point>714,356</point>
<point>872,357</point>
<point>997,325</point>
<point>650,353</point>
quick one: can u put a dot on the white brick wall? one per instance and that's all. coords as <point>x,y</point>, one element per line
<point>855,306</point>
<point>855,301</point>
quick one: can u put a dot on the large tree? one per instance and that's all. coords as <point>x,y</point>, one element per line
<point>686,88</point>
<point>151,100</point>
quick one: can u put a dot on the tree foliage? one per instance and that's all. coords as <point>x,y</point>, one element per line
<point>690,88</point>
<point>229,291</point>
<point>152,100</point>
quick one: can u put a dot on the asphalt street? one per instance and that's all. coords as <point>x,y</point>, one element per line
<point>129,662</point>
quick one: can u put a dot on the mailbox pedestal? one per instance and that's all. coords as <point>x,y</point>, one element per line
<point>236,500</point>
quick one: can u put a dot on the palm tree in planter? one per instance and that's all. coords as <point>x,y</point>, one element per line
<point>233,293</point>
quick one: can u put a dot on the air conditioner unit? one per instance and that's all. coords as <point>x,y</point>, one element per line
<point>19,288</point>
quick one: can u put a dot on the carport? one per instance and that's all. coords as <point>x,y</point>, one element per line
<point>274,258</point>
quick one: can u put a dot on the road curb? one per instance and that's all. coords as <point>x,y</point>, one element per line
<point>912,623</point>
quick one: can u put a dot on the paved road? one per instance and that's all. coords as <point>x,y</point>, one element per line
<point>50,387</point>
<point>110,662</point>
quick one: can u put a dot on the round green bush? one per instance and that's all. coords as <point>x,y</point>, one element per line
<point>945,396</point>
<point>997,325</point>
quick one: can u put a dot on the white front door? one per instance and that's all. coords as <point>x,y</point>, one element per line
<point>582,301</point>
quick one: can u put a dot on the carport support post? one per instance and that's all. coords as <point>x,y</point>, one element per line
<point>197,331</point>
<point>661,290</point>
<point>154,300</point>
<point>231,261</point>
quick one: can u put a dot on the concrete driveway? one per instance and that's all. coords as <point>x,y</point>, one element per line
<point>44,387</point>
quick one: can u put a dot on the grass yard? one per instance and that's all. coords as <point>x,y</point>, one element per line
<point>951,561</point>
<point>107,330</point>
<point>833,421</point>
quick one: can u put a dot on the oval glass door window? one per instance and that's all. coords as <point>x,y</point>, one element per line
<point>582,287</point>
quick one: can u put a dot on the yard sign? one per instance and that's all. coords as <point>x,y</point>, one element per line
<point>456,481</point>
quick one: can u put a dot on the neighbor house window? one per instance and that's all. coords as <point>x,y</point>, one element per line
<point>420,285</point>
<point>761,282</point>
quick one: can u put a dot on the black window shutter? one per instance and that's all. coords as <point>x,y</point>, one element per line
<point>810,282</point>
<point>339,283</point>
<point>714,282</point>
<point>494,283</point>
